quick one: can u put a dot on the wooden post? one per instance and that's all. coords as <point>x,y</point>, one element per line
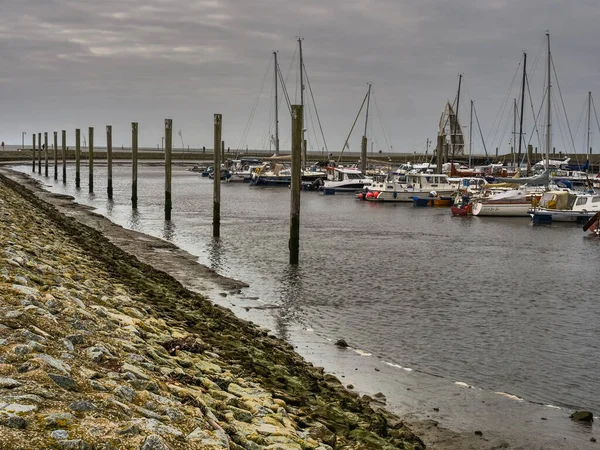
<point>40,153</point>
<point>294,244</point>
<point>33,168</point>
<point>64,155</point>
<point>46,153</point>
<point>109,185</point>
<point>217,180</point>
<point>439,151</point>
<point>56,155</point>
<point>363,156</point>
<point>134,163</point>
<point>77,158</point>
<point>529,158</point>
<point>222,151</point>
<point>168,168</point>
<point>91,157</point>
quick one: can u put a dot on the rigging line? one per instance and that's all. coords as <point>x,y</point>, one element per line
<point>595,114</point>
<point>538,55</point>
<point>265,137</point>
<point>503,105</point>
<point>580,120</point>
<point>310,114</point>
<point>563,105</point>
<point>536,117</point>
<point>480,132</point>
<point>316,112</point>
<point>351,129</point>
<point>385,137</point>
<point>285,92</point>
<point>244,136</point>
<point>558,124</point>
<point>562,132</point>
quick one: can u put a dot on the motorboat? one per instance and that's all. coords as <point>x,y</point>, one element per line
<point>406,188</point>
<point>565,206</point>
<point>345,179</point>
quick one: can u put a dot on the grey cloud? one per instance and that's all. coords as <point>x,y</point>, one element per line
<point>87,63</point>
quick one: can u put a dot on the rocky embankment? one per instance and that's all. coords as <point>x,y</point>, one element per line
<point>101,351</point>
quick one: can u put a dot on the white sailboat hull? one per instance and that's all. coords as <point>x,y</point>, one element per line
<point>516,209</point>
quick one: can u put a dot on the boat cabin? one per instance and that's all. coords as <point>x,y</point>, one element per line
<point>344,174</point>
<point>427,180</point>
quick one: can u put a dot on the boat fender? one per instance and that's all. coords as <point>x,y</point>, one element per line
<point>360,196</point>
<point>369,195</point>
<point>395,194</point>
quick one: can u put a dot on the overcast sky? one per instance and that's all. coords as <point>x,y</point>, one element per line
<point>78,63</point>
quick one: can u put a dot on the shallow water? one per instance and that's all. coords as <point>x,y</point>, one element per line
<point>496,303</point>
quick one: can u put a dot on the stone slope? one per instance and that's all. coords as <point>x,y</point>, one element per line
<point>101,351</point>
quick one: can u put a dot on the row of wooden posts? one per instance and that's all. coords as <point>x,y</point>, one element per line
<point>294,242</point>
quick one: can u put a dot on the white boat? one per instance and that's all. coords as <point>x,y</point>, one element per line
<point>512,203</point>
<point>565,206</point>
<point>405,188</point>
<point>345,179</point>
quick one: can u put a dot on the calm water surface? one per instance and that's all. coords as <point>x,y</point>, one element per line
<point>496,303</point>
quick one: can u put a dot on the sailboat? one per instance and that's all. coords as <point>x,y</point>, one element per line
<point>516,202</point>
<point>351,179</point>
<point>275,171</point>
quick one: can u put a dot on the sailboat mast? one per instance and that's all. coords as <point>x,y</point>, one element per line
<point>302,97</point>
<point>522,105</point>
<point>549,106</point>
<point>367,113</point>
<point>363,144</point>
<point>512,148</point>
<point>456,117</point>
<point>471,134</point>
<point>276,107</point>
<point>589,149</point>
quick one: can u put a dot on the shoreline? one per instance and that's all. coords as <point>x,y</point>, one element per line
<point>187,271</point>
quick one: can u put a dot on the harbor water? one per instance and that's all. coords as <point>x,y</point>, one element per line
<point>423,298</point>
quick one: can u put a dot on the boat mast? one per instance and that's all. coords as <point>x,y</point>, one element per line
<point>276,108</point>
<point>512,148</point>
<point>363,147</point>
<point>471,134</point>
<point>589,149</point>
<point>302,97</point>
<point>453,139</point>
<point>522,105</point>
<point>549,106</point>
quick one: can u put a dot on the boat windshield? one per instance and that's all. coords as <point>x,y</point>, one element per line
<point>354,176</point>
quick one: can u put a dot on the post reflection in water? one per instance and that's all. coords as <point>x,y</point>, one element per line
<point>169,230</point>
<point>110,204</point>
<point>215,250</point>
<point>291,298</point>
<point>134,220</point>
